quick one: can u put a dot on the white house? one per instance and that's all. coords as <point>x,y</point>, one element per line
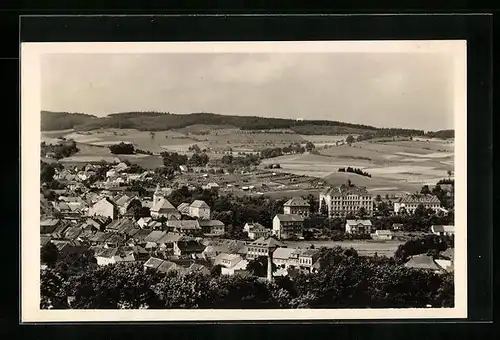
<point>144,222</point>
<point>113,255</point>
<point>443,230</point>
<point>286,226</point>
<point>199,209</point>
<point>230,263</point>
<point>383,235</point>
<point>358,227</point>
<point>163,208</point>
<point>104,207</point>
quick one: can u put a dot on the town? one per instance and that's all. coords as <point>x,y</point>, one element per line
<point>159,232</point>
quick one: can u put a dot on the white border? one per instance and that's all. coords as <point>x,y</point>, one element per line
<point>30,132</point>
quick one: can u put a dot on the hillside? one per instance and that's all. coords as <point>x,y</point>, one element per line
<point>157,121</point>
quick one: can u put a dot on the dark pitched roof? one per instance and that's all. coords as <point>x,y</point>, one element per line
<point>199,204</point>
<point>296,202</point>
<point>267,243</point>
<point>422,261</point>
<point>210,223</point>
<point>290,218</point>
<point>190,245</point>
<point>184,224</point>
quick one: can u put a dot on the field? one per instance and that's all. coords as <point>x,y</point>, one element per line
<point>364,248</point>
<point>396,167</point>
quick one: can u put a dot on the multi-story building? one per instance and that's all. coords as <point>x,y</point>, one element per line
<point>200,210</point>
<point>286,226</point>
<point>297,206</point>
<point>346,199</point>
<point>261,247</point>
<point>411,202</point>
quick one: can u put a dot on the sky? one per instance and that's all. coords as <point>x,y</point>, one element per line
<point>405,90</point>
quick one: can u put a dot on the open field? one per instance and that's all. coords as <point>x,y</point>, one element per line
<point>364,248</point>
<point>396,167</point>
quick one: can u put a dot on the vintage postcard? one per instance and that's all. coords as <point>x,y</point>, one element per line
<point>243,181</point>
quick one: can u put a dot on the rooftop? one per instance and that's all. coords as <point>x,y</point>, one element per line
<point>290,218</point>
<point>199,204</point>
<point>296,202</point>
<point>344,189</point>
<point>357,222</point>
<point>416,199</point>
<point>267,242</point>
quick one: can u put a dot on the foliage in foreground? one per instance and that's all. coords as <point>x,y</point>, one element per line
<point>347,281</point>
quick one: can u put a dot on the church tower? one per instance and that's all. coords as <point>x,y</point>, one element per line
<point>158,195</point>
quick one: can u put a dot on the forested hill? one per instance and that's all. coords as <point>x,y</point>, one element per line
<point>151,121</point>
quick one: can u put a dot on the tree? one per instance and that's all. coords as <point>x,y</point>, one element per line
<point>49,254</point>
<point>47,172</point>
<point>449,172</point>
<point>216,270</point>
<point>425,190</point>
<point>349,140</point>
<point>122,149</point>
<point>420,211</point>
<point>378,198</point>
<point>258,266</point>
<point>310,146</point>
<point>324,208</point>
<point>362,212</point>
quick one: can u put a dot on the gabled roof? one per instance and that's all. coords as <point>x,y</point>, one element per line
<point>420,198</point>
<point>72,233</point>
<point>283,253</point>
<point>190,245</point>
<point>162,204</point>
<point>99,237</point>
<point>358,222</point>
<point>199,204</point>
<point>44,239</point>
<point>142,234</point>
<point>296,202</point>
<point>308,252</point>
<point>422,261</point>
<point>449,253</point>
<point>210,223</point>
<point>267,243</point>
<point>443,228</point>
<point>171,237</point>
<point>228,257</point>
<point>50,222</point>
<point>167,266</point>
<point>155,235</point>
<point>290,218</point>
<point>383,232</point>
<point>183,208</point>
<point>153,263</point>
<point>184,224</point>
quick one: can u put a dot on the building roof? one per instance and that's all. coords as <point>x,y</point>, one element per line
<point>283,253</point>
<point>358,222</point>
<point>44,239</point>
<point>443,229</point>
<point>296,202</point>
<point>210,223</point>
<point>184,224</point>
<point>166,266</point>
<point>183,208</point>
<point>383,232</point>
<point>50,222</point>
<point>155,235</point>
<point>309,252</point>
<point>233,258</point>
<point>99,237</point>
<point>199,204</point>
<point>171,237</point>
<point>153,263</point>
<point>142,234</point>
<point>449,253</point>
<point>422,261</point>
<point>290,218</point>
<point>343,190</point>
<point>267,243</point>
<point>72,233</point>
<point>162,204</point>
<point>419,199</point>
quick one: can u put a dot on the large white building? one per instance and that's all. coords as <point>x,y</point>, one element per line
<point>410,202</point>
<point>346,199</point>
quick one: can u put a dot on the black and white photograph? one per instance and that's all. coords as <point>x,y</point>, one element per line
<point>244,181</point>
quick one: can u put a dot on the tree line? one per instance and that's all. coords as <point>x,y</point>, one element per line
<point>346,280</point>
<point>355,171</point>
<point>65,148</point>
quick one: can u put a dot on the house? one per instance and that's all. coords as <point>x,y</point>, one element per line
<point>250,225</point>
<point>153,263</point>
<point>210,186</point>
<point>139,237</point>
<point>65,247</point>
<point>163,208</point>
<point>358,227</point>
<point>446,259</point>
<point>443,230</point>
<point>397,226</point>
<point>107,256</point>
<point>345,199</point>
<point>47,226</point>
<point>285,257</point>
<point>116,225</point>
<point>99,237</point>
<point>259,232</point>
<point>115,240</point>
<point>58,232</point>
<point>143,222</point>
<point>219,246</point>
<point>286,226</point>
<point>72,233</point>
<point>184,226</point>
<point>230,263</point>
<point>382,235</point>
<point>124,201</point>
<point>104,207</point>
<point>183,208</point>
<point>296,206</point>
<point>261,246</point>
<point>188,248</point>
<point>212,227</point>
<point>200,210</point>
<point>409,203</point>
<point>423,261</point>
